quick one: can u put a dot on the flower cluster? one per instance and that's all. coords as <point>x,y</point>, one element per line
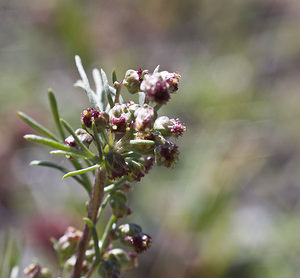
<point>158,86</point>
<point>119,142</point>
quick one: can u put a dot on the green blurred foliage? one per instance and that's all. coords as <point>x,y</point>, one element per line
<point>230,207</point>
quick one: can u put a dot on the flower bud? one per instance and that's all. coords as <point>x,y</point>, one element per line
<point>129,229</point>
<point>70,141</point>
<point>84,136</point>
<point>132,80</point>
<point>144,117</point>
<point>169,127</point>
<point>156,88</point>
<point>140,242</point>
<point>125,260</point>
<point>66,245</point>
<point>70,263</point>
<point>120,118</point>
<point>36,271</point>
<point>118,204</point>
<point>100,118</point>
<point>166,154</point>
<point>172,80</point>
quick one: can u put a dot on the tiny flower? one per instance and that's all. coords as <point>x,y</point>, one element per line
<point>89,115</point>
<point>166,154</point>
<point>84,136</point>
<point>144,117</point>
<point>133,80</point>
<point>125,260</point>
<point>129,229</point>
<point>120,118</point>
<point>140,242</point>
<point>36,271</point>
<point>70,141</point>
<point>66,245</point>
<point>172,80</point>
<point>169,127</point>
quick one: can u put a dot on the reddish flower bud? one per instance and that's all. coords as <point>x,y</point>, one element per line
<point>89,115</point>
<point>169,127</point>
<point>166,154</point>
<point>140,242</point>
<point>144,117</point>
<point>172,80</point>
<point>70,141</point>
<point>120,118</point>
<point>66,245</point>
<point>133,80</point>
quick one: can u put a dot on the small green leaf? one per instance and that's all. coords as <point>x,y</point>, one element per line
<point>81,171</point>
<point>91,226</point>
<point>97,140</point>
<point>107,89</point>
<point>52,143</point>
<point>36,126</point>
<point>55,166</point>
<point>81,145</point>
<point>60,152</point>
<point>142,142</point>
<point>55,113</point>
<point>114,75</point>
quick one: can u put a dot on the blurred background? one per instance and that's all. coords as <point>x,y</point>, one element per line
<point>231,206</point>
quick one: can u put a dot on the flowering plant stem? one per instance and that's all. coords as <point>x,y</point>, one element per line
<point>126,139</point>
<point>94,204</point>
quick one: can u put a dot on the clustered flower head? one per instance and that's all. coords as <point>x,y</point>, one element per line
<point>140,136</point>
<point>119,142</point>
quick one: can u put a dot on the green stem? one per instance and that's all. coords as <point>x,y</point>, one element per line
<point>105,236</point>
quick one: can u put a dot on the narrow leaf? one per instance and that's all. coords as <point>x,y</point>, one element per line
<point>85,82</point>
<point>55,113</point>
<point>107,89</point>
<point>60,152</point>
<point>95,239</point>
<point>141,142</point>
<point>99,89</point>
<point>55,166</point>
<point>81,171</point>
<point>36,126</point>
<point>157,107</point>
<point>81,145</point>
<point>88,185</point>
<point>97,140</point>
<point>81,71</point>
<point>114,75</point>
<point>52,143</point>
<point>156,69</point>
